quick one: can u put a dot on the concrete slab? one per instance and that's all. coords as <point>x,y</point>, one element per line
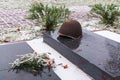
<point>109,35</point>
<point>72,72</point>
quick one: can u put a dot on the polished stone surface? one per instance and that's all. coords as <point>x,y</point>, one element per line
<point>97,52</point>
<point>8,54</point>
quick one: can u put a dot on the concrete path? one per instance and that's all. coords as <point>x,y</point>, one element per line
<point>14,18</point>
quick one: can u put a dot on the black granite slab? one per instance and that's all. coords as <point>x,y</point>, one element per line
<point>96,55</point>
<point>8,54</point>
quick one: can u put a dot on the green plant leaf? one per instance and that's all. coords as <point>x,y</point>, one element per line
<point>50,16</point>
<point>109,13</point>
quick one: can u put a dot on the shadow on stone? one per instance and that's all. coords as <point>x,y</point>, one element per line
<point>69,42</point>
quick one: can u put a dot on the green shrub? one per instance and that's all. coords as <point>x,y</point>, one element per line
<point>49,16</point>
<point>108,13</point>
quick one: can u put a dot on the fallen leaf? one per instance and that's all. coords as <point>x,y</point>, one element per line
<point>49,53</point>
<point>65,66</point>
<point>60,57</point>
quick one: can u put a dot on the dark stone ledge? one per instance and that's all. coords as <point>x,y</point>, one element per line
<point>95,55</point>
<point>8,54</point>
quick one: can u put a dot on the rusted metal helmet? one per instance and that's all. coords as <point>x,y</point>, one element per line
<point>71,28</point>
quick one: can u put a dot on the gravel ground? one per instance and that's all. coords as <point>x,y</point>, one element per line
<point>24,4</point>
<point>14,26</point>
